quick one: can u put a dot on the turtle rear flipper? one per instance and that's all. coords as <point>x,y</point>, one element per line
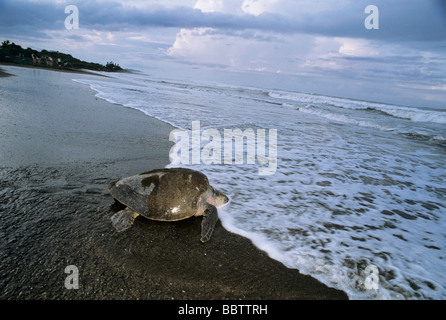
<point>210,218</point>
<point>122,220</point>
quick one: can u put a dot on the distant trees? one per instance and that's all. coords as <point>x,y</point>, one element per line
<point>11,49</point>
<point>13,53</point>
<point>113,67</point>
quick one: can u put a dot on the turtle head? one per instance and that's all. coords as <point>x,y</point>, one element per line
<point>217,198</point>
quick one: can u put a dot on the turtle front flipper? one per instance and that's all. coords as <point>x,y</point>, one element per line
<point>122,220</point>
<point>210,218</point>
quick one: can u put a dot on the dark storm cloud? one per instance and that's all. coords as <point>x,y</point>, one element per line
<point>399,20</point>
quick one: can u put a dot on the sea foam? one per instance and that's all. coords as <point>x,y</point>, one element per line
<point>357,183</point>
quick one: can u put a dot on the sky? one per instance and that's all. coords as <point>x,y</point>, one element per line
<point>310,46</point>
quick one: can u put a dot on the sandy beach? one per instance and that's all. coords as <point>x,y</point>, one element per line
<point>4,74</point>
<point>60,147</point>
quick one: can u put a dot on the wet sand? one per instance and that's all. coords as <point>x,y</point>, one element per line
<point>60,147</point>
<point>4,74</point>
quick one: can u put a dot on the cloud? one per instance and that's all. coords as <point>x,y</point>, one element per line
<point>402,20</point>
<point>314,39</point>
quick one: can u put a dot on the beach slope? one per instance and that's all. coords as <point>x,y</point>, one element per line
<point>60,147</point>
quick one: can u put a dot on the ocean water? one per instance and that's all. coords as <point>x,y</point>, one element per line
<point>356,183</point>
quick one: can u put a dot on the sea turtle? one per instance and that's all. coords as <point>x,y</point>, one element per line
<point>167,195</point>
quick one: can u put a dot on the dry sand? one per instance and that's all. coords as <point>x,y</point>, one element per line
<point>60,147</point>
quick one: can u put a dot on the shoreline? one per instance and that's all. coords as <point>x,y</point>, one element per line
<point>66,70</point>
<point>62,146</point>
<point>4,74</point>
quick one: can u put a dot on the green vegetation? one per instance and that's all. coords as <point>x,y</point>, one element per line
<point>13,53</point>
